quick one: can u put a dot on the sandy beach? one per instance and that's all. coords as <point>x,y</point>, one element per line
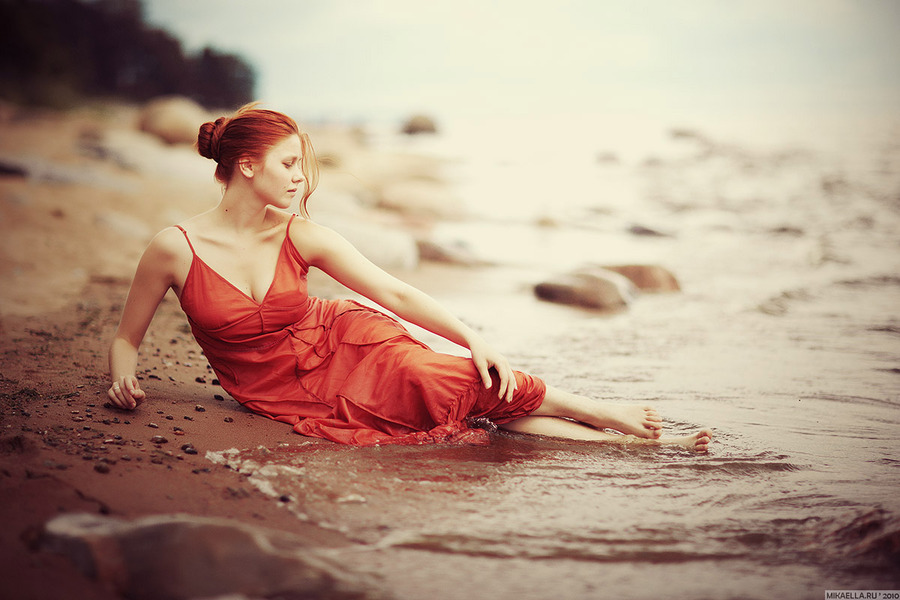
<point>73,228</point>
<point>788,350</point>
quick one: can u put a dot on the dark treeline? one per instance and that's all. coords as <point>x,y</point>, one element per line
<point>56,52</point>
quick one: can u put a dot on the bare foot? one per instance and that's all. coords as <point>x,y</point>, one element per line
<point>640,421</point>
<point>698,442</point>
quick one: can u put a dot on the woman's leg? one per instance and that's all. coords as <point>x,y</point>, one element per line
<point>640,421</point>
<point>564,428</point>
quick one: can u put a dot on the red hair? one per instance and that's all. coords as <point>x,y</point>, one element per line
<point>250,133</point>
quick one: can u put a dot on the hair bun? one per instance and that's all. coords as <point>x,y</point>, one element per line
<point>209,137</point>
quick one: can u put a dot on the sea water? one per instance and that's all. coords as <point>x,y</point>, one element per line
<point>785,340</point>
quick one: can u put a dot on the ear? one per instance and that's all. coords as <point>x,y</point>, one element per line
<point>245,165</point>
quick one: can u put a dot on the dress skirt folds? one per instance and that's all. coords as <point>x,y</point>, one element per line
<point>336,369</point>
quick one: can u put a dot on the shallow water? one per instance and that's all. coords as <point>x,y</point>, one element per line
<point>785,340</point>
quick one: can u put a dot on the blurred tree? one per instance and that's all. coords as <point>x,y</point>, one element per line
<point>54,52</point>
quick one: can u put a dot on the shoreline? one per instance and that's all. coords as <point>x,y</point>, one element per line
<point>62,448</point>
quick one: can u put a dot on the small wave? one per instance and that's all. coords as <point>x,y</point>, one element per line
<point>874,280</point>
<point>738,466</point>
<point>873,536</point>
<point>886,329</point>
<point>646,548</point>
<point>851,399</point>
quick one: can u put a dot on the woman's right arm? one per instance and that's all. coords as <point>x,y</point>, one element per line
<point>154,276</point>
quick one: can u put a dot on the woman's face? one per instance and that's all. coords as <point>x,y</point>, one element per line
<point>280,174</point>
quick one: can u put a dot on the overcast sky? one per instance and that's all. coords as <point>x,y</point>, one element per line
<point>362,58</point>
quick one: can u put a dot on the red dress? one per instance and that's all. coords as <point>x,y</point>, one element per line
<point>336,369</point>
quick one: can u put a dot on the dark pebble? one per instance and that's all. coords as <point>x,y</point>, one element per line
<point>169,417</point>
<point>101,467</point>
<point>219,397</point>
<point>187,418</point>
<point>158,439</point>
<point>199,408</point>
<point>284,498</point>
<point>229,420</point>
<point>189,449</point>
<point>152,425</point>
<point>200,379</point>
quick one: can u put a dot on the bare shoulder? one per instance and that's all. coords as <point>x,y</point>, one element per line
<point>168,244</point>
<point>313,240</point>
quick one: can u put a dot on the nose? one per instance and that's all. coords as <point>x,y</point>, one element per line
<point>298,174</point>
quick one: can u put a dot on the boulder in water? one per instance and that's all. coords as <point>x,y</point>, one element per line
<point>589,287</point>
<point>648,278</point>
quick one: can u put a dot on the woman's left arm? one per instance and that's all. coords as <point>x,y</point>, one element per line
<point>328,251</point>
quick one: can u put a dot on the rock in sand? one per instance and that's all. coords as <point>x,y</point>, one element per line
<point>173,119</point>
<point>177,557</point>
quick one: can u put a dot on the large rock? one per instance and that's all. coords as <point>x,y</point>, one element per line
<point>648,278</point>
<point>173,119</point>
<point>589,287</point>
<point>173,557</point>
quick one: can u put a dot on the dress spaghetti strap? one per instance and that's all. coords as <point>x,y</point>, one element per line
<point>287,232</point>
<point>194,252</point>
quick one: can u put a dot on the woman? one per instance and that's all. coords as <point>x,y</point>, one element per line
<point>331,369</point>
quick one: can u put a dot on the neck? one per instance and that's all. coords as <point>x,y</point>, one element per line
<point>241,209</point>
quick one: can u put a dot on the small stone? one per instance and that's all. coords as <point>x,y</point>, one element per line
<point>169,418</point>
<point>284,498</point>
<point>200,379</point>
<point>158,439</point>
<point>199,408</point>
<point>187,418</point>
<point>189,449</point>
<point>152,425</point>
<point>229,420</point>
<point>179,432</point>
<point>219,397</point>
<point>101,467</point>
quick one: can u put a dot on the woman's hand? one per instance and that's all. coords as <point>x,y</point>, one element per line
<point>485,357</point>
<point>126,392</point>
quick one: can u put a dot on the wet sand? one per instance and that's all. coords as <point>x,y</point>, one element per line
<point>72,232</point>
